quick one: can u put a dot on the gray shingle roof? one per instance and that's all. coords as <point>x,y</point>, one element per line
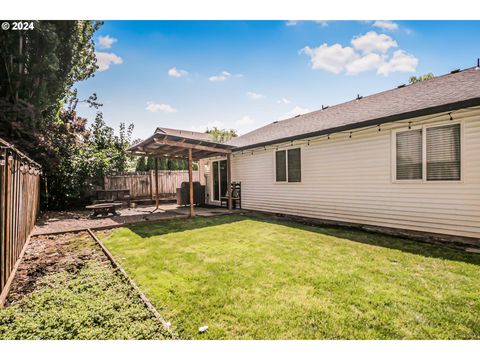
<point>442,93</point>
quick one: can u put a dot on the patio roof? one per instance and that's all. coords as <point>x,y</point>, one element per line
<point>183,144</point>
<point>175,143</point>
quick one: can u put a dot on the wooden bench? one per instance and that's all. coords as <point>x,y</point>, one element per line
<point>103,209</point>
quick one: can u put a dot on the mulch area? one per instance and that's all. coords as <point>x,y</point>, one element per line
<point>51,254</point>
<point>58,221</point>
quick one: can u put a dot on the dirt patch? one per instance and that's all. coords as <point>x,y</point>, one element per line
<point>52,254</point>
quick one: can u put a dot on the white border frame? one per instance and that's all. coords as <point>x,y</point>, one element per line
<point>424,127</point>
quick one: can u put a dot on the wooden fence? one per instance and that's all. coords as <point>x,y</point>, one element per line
<point>19,205</point>
<point>142,184</point>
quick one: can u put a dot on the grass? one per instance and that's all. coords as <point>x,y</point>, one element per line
<point>93,303</point>
<point>250,277</point>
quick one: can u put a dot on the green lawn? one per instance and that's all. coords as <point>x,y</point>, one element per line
<point>250,277</point>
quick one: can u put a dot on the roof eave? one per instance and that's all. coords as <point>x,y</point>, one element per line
<point>377,121</point>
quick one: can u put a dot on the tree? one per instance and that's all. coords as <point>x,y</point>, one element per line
<point>85,155</point>
<point>141,164</point>
<point>38,108</point>
<point>414,79</point>
<point>221,135</point>
<point>38,68</point>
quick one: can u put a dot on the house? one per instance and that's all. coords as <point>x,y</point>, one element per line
<point>405,159</point>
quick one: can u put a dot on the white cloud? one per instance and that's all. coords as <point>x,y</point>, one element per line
<point>217,78</point>
<point>106,42</point>
<point>364,63</point>
<point>373,42</point>
<point>246,120</point>
<point>255,96</point>
<point>174,72</point>
<point>224,75</point>
<point>209,125</point>
<point>104,60</point>
<point>154,107</point>
<point>400,61</point>
<point>283,101</point>
<point>386,25</point>
<point>297,110</point>
<point>332,58</point>
<point>322,23</point>
<point>370,52</point>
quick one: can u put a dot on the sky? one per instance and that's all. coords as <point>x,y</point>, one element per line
<point>242,75</point>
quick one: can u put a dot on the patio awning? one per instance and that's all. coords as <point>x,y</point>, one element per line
<point>183,144</point>
<point>173,143</point>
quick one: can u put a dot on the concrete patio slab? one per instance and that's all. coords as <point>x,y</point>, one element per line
<point>64,221</point>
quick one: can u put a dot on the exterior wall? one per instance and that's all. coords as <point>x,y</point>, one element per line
<point>203,171</point>
<point>350,180</point>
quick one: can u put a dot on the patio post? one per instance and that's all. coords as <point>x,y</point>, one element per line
<point>190,181</point>
<point>229,181</point>
<point>156,182</point>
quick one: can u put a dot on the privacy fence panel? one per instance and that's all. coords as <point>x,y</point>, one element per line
<point>139,184</point>
<point>142,184</point>
<point>19,205</point>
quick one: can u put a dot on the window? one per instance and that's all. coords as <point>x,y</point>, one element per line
<point>409,155</point>
<point>281,165</point>
<point>288,165</point>
<point>443,153</point>
<point>294,166</point>
<point>431,153</point>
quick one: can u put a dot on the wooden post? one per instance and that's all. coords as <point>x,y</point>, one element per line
<point>190,181</point>
<point>150,174</point>
<point>156,183</point>
<point>229,181</point>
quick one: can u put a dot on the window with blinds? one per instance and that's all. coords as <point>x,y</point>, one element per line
<point>443,152</point>
<point>409,155</point>
<point>281,165</point>
<point>294,166</point>
<point>288,165</point>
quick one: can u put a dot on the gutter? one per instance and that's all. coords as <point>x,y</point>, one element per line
<point>377,121</point>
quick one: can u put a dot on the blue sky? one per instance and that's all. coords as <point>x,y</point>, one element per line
<point>246,74</point>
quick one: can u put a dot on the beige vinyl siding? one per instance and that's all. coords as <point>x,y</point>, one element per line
<point>351,180</point>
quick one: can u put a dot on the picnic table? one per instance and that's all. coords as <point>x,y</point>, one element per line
<point>103,209</point>
<point>113,195</point>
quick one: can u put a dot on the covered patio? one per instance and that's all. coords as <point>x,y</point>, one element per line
<point>181,144</point>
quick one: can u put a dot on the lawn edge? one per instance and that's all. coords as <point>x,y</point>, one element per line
<point>142,296</point>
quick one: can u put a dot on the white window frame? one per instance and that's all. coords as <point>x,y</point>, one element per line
<point>424,153</point>
<point>286,165</point>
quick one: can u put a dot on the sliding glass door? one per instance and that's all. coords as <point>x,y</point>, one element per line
<point>219,177</point>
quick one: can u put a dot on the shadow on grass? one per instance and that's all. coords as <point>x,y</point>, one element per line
<point>377,239</point>
<point>361,236</point>
<point>162,227</point>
